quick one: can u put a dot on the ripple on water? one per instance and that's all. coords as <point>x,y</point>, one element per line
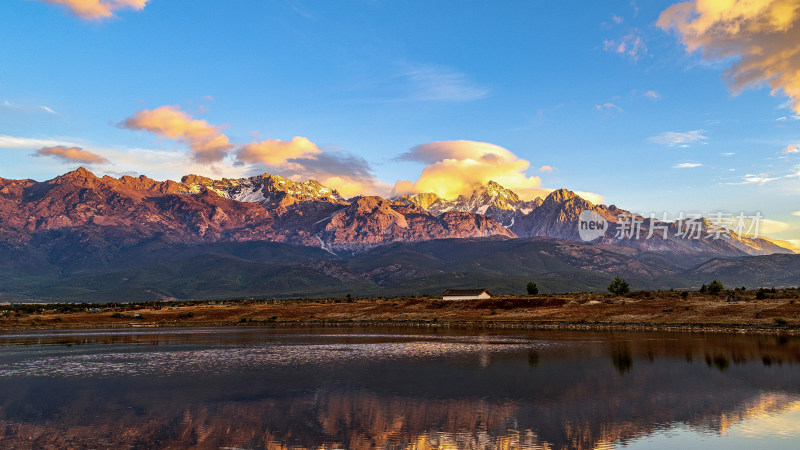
<point>135,360</point>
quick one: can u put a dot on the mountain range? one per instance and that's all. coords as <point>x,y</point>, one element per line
<point>82,237</point>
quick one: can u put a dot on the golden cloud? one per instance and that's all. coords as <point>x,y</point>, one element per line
<point>298,159</point>
<point>275,152</point>
<point>207,143</point>
<point>71,154</point>
<point>762,35</point>
<point>457,167</point>
<point>98,9</point>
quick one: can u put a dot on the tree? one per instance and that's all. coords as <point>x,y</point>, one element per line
<point>715,287</point>
<point>703,289</point>
<point>619,286</point>
<point>532,288</point>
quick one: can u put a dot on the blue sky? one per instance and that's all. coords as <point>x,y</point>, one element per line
<point>589,96</point>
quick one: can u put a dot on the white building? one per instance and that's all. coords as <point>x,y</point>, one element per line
<point>466,294</point>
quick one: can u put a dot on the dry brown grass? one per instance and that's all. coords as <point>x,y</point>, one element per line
<point>656,309</point>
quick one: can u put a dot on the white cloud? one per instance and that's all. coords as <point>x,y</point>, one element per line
<point>728,154</point>
<point>686,165</point>
<point>764,178</point>
<point>676,139</point>
<point>652,95</point>
<point>608,106</point>
<point>631,45</point>
<point>15,142</point>
<point>47,109</point>
<point>440,84</point>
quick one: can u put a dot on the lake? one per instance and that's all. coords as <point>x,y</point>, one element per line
<point>394,387</point>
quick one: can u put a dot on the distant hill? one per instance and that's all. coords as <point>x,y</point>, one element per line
<point>83,237</point>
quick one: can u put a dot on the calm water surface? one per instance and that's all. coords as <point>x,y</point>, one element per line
<point>397,388</point>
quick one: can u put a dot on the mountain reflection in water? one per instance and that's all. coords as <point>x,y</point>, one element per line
<point>394,388</point>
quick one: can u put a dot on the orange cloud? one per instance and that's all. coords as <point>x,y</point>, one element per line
<point>546,169</point>
<point>457,167</point>
<point>98,9</point>
<point>348,174</point>
<point>298,159</point>
<point>792,149</point>
<point>71,154</point>
<point>207,143</point>
<point>762,36</point>
<point>275,152</point>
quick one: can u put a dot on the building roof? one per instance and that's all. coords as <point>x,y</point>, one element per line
<point>464,292</point>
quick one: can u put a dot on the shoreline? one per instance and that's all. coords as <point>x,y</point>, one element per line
<point>666,312</point>
<point>455,325</point>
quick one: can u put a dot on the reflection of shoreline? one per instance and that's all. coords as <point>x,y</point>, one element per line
<point>358,420</point>
<point>587,390</point>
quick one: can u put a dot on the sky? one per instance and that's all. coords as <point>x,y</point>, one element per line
<point>656,106</point>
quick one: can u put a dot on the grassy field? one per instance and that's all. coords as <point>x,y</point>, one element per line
<point>778,310</point>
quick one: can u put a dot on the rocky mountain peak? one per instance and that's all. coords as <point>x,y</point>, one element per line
<point>79,175</point>
<point>422,200</point>
<point>561,195</point>
<point>264,189</point>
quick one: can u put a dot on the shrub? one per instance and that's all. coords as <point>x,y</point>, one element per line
<point>532,288</point>
<point>780,321</point>
<point>619,286</point>
<point>703,289</point>
<point>716,287</point>
<point>685,295</point>
<point>761,294</point>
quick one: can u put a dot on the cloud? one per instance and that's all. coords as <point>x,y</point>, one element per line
<point>275,152</point>
<point>764,178</point>
<point>728,154</point>
<point>457,167</point>
<point>98,9</point>
<point>71,154</point>
<point>15,142</point>
<point>436,83</point>
<point>348,174</point>
<point>673,139</point>
<point>207,143</point>
<point>686,165</point>
<point>652,95</point>
<point>796,213</point>
<point>547,169</point>
<point>761,38</point>
<point>768,226</point>
<point>298,159</point>
<point>792,149</point>
<point>10,107</point>
<point>631,45</point>
<point>608,106</point>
